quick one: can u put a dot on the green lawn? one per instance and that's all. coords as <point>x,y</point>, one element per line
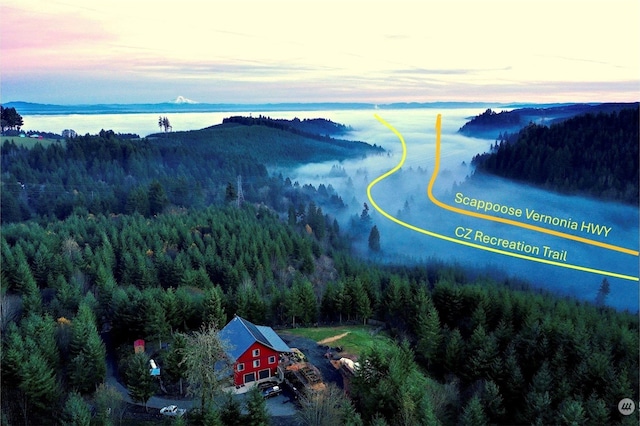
<point>29,142</point>
<point>354,342</point>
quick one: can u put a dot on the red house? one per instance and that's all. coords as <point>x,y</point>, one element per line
<point>254,350</point>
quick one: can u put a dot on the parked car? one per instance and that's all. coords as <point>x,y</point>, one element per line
<point>265,385</point>
<point>172,411</point>
<point>272,391</point>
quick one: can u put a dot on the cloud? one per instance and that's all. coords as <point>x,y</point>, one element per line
<point>28,29</point>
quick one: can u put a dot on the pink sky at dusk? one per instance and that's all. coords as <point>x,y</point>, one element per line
<point>139,51</point>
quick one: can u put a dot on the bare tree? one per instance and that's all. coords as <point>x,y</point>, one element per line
<point>207,366</point>
<point>109,404</point>
<point>322,408</point>
<point>10,310</point>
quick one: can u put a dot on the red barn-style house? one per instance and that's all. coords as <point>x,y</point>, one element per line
<point>254,350</point>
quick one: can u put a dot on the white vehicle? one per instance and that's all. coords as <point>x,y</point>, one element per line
<point>172,411</point>
<point>272,391</point>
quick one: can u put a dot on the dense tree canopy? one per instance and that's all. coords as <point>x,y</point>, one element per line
<point>127,253</point>
<point>595,155</point>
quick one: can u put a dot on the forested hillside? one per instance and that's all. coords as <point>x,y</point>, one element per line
<point>105,241</point>
<point>107,174</point>
<point>506,356</point>
<point>490,124</point>
<point>594,155</point>
<point>317,128</point>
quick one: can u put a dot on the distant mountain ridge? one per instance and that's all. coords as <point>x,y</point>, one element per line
<point>30,108</point>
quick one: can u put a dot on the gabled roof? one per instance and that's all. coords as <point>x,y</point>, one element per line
<point>240,334</point>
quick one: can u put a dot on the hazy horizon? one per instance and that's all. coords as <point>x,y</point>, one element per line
<point>71,52</point>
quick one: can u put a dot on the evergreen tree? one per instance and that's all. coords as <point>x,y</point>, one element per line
<point>473,414</point>
<point>25,283</point>
<point>447,299</point>
<point>427,328</point>
<point>293,309</point>
<point>538,400</point>
<point>597,412</point>
<point>155,321</point>
<point>356,300</point>
<point>214,312</point>
<point>11,208</point>
<point>365,218</point>
<point>140,383</point>
<point>493,403</point>
<point>87,367</point>
<point>76,411</point>
<point>307,299</point>
<point>603,292</point>
<point>571,412</point>
<point>349,415</point>
<point>374,239</point>
<point>292,217</point>
<point>483,360</point>
<point>173,365</point>
<point>307,265</point>
<point>231,411</point>
<point>38,381</point>
<point>257,414</point>
<point>230,193</point>
<point>137,202</point>
<point>454,352</point>
<point>389,384</point>
<point>41,330</point>
<point>10,119</point>
<point>14,351</point>
<point>157,198</point>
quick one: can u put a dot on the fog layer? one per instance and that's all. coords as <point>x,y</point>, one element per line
<point>404,195</point>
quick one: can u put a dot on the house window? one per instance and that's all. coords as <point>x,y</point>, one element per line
<point>256,363</point>
<point>256,352</point>
<point>272,359</point>
<point>241,366</point>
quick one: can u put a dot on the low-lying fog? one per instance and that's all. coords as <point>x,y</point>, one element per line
<point>407,188</point>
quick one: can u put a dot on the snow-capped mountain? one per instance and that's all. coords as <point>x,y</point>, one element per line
<point>183,100</point>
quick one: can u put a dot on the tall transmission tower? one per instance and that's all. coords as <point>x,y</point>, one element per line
<point>240,198</point>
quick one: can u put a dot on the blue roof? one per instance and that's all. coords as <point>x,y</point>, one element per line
<point>240,334</point>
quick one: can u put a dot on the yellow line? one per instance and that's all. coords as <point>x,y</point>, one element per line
<point>465,243</point>
<point>503,220</point>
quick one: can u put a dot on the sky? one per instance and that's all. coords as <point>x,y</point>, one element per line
<point>142,51</point>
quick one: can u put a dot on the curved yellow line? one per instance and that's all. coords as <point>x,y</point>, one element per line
<point>503,220</point>
<point>465,243</point>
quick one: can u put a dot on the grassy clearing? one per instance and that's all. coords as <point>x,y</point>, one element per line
<point>354,342</point>
<point>29,142</point>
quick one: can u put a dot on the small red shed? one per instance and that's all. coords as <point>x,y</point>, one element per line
<point>138,346</point>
